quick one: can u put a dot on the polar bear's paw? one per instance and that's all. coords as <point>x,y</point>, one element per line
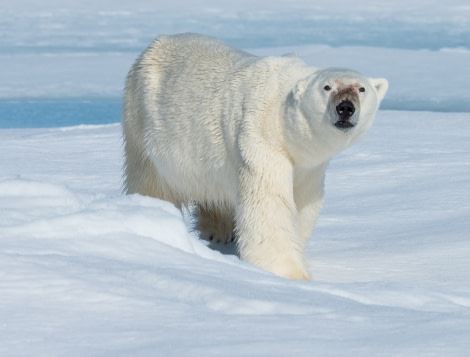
<point>214,225</point>
<point>217,238</point>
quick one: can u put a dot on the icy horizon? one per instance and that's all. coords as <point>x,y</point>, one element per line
<point>105,26</point>
<point>62,50</point>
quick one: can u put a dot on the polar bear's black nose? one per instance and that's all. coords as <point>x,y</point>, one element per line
<point>345,109</point>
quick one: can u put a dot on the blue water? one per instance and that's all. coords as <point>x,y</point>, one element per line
<point>58,112</point>
<point>47,113</point>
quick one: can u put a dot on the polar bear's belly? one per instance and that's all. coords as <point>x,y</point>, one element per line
<point>198,177</point>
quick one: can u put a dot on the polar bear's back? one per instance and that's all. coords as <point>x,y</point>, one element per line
<point>190,62</point>
<point>195,46</point>
<point>185,72</point>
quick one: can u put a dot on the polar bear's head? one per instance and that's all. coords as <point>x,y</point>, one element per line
<point>343,98</point>
<point>336,106</point>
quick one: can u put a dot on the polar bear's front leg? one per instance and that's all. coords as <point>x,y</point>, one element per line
<point>308,196</point>
<point>267,227</point>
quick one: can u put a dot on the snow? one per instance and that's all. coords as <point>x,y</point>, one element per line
<point>87,271</point>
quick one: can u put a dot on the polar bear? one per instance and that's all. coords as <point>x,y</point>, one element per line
<point>243,140</point>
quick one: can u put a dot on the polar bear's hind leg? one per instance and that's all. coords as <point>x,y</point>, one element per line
<point>141,176</point>
<point>214,222</point>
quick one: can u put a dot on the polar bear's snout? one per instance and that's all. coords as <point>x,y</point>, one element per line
<point>345,110</point>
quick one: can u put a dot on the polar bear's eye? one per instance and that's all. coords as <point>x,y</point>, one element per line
<point>327,88</point>
<point>362,89</point>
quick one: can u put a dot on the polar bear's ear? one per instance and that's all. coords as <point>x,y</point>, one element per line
<point>381,86</point>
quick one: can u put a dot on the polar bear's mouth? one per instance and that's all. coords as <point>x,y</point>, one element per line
<point>344,124</point>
